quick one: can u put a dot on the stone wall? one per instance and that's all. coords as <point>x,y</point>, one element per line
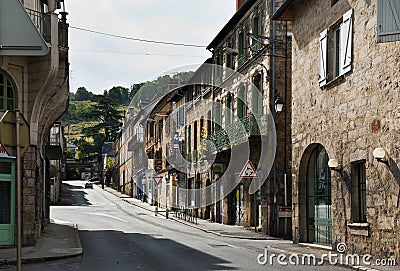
<point>350,118</point>
<point>32,197</point>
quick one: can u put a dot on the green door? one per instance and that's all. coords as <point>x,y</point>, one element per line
<point>319,206</point>
<point>7,201</point>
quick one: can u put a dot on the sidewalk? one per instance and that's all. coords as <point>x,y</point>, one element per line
<point>280,246</point>
<point>60,240</point>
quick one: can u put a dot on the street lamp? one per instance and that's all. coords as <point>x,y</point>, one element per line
<point>278,104</point>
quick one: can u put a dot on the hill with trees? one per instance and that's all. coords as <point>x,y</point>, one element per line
<point>92,119</point>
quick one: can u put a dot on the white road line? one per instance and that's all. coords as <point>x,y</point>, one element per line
<point>110,216</point>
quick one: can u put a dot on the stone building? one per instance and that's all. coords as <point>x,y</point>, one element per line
<point>345,123</point>
<point>34,72</point>
<point>256,47</point>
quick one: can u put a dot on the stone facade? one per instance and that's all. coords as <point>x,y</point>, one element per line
<point>265,62</point>
<point>350,116</point>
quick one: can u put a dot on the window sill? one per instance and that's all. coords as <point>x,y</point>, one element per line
<point>361,229</point>
<point>334,82</point>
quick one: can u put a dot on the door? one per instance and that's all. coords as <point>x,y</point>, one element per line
<point>7,201</point>
<point>319,206</point>
<point>239,205</point>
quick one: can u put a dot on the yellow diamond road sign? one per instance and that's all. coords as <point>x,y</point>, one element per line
<point>8,137</point>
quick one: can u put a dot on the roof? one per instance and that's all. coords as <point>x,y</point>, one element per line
<point>284,12</point>
<point>231,23</point>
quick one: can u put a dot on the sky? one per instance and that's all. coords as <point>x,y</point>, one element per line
<point>99,62</point>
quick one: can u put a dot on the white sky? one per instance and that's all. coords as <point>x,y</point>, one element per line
<point>100,62</point>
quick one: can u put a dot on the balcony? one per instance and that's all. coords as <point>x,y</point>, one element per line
<point>63,30</point>
<point>137,140</point>
<point>42,21</point>
<point>237,131</point>
<point>55,147</point>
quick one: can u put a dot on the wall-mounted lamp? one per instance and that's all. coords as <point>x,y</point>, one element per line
<point>334,164</point>
<point>231,51</point>
<point>380,154</point>
<point>278,104</point>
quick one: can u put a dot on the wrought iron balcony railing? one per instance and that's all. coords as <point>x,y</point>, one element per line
<point>42,22</point>
<point>63,30</point>
<point>238,130</point>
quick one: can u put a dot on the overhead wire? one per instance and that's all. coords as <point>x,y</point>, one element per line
<point>137,39</point>
<point>132,53</point>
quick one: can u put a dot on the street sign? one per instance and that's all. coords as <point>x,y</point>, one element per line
<point>285,211</point>
<point>157,179</point>
<point>248,171</point>
<point>8,136</point>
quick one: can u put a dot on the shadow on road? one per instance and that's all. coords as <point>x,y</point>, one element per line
<point>79,195</point>
<point>115,250</point>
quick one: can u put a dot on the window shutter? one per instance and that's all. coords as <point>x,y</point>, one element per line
<point>346,39</point>
<point>323,58</point>
<point>388,20</point>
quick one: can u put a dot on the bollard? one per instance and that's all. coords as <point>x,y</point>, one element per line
<point>156,210</point>
<point>166,213</point>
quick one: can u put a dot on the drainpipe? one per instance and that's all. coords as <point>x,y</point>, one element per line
<point>273,110</point>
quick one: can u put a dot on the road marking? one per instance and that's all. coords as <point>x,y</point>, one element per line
<point>110,216</point>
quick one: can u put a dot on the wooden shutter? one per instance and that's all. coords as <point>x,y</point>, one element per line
<point>388,20</point>
<point>346,41</point>
<point>323,57</point>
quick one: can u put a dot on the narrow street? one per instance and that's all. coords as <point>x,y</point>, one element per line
<point>118,236</point>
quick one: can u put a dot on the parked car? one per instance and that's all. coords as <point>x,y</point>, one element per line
<point>88,185</point>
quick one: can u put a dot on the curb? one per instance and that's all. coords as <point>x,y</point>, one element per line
<point>194,225</point>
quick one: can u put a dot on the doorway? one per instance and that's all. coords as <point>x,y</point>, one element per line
<point>7,201</point>
<point>319,203</point>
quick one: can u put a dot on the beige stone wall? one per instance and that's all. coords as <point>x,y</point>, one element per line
<point>350,119</point>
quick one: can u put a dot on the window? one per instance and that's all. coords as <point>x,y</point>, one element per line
<point>7,93</point>
<point>359,191</point>
<point>229,110</point>
<point>241,102</point>
<point>388,20</point>
<point>257,94</point>
<point>217,116</point>
<point>229,57</point>
<point>256,31</point>
<point>241,48</point>
<point>335,49</point>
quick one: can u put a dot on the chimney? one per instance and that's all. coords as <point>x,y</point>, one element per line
<point>239,3</point>
<point>172,83</point>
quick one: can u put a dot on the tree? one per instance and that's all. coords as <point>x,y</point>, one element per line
<point>82,94</point>
<point>107,117</point>
<point>119,95</point>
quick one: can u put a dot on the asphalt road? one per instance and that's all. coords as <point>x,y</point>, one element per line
<point>118,236</point>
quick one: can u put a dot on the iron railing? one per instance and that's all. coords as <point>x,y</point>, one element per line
<point>63,30</point>
<point>42,22</point>
<point>238,130</point>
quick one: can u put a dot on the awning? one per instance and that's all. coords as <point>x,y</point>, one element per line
<point>18,35</point>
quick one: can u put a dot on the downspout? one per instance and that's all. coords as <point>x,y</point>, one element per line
<point>273,109</point>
